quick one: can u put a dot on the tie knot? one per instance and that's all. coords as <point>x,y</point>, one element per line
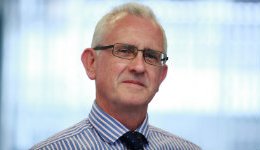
<point>133,140</point>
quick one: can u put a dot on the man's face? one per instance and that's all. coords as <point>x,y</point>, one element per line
<point>129,83</point>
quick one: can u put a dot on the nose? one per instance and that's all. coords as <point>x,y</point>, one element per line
<point>137,64</point>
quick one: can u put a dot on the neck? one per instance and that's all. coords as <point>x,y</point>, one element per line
<point>130,117</point>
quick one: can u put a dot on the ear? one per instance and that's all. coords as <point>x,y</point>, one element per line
<point>88,59</point>
<point>163,73</point>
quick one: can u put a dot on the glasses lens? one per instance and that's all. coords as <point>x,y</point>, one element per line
<point>124,51</point>
<point>153,57</point>
<point>127,51</point>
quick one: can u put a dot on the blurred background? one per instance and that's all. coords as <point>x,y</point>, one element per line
<point>210,97</point>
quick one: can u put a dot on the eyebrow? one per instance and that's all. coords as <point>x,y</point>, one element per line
<point>149,49</point>
<point>145,48</point>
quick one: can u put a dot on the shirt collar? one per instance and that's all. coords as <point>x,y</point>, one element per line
<point>109,128</point>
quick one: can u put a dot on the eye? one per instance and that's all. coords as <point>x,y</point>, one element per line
<point>152,55</point>
<point>124,50</point>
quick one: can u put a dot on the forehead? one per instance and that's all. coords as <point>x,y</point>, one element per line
<point>135,30</point>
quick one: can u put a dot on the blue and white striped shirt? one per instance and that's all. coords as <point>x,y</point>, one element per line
<point>101,132</point>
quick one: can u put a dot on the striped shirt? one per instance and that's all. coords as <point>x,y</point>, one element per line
<point>101,132</point>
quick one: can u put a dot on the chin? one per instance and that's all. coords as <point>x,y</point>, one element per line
<point>134,101</point>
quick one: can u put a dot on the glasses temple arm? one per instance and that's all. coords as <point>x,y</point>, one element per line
<point>103,47</point>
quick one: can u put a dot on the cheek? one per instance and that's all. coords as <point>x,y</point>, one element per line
<point>110,69</point>
<point>102,70</point>
<point>155,79</point>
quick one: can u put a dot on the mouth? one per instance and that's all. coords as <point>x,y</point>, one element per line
<point>134,82</point>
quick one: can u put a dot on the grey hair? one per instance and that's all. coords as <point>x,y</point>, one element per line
<point>106,22</point>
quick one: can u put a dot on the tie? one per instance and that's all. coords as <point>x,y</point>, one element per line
<point>133,140</point>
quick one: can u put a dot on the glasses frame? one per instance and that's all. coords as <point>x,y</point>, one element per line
<point>163,60</point>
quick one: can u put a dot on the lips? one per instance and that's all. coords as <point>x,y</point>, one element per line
<point>134,82</point>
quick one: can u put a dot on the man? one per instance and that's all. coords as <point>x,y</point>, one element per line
<point>127,61</point>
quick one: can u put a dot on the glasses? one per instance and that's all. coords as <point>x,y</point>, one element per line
<point>127,51</point>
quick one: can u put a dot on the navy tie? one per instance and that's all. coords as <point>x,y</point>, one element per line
<point>133,140</point>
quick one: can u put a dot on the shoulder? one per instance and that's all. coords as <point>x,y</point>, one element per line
<point>68,136</point>
<point>170,140</point>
